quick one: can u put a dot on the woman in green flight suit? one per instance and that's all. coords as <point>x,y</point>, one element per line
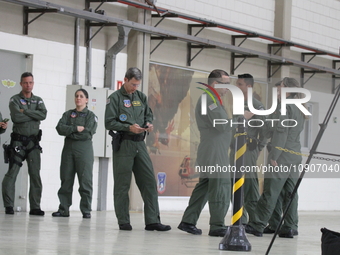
<point>78,126</point>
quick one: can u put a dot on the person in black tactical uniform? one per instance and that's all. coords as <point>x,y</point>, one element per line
<point>27,110</point>
<point>78,126</point>
<point>128,113</point>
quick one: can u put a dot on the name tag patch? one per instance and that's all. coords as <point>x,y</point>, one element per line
<point>136,103</point>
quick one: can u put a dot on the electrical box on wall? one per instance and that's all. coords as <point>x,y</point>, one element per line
<point>96,104</point>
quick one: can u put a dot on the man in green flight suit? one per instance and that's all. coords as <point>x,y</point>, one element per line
<point>27,110</point>
<point>283,199</point>
<point>283,178</point>
<point>128,113</point>
<point>212,151</point>
<point>255,143</point>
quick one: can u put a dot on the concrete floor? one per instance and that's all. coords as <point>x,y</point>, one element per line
<point>24,234</point>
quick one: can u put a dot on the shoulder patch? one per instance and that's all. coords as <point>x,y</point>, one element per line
<point>127,103</point>
<point>122,117</point>
<point>108,100</point>
<point>212,106</point>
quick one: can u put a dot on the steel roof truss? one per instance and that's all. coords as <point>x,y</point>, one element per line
<point>26,13</point>
<point>182,37</point>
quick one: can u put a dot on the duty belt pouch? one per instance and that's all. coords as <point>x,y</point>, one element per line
<point>252,144</point>
<point>269,147</point>
<point>6,148</point>
<point>39,135</point>
<point>116,140</point>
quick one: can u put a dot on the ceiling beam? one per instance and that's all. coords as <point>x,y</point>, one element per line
<point>166,33</point>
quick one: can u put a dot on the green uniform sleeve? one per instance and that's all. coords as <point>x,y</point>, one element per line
<point>63,128</point>
<point>90,126</point>
<point>267,129</point>
<point>258,132</point>
<point>71,131</point>
<point>269,126</point>
<point>28,115</point>
<point>39,113</point>
<point>112,115</point>
<point>16,115</point>
<point>262,139</point>
<point>280,136</point>
<point>217,112</point>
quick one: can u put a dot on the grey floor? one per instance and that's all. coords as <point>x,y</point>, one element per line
<point>24,234</point>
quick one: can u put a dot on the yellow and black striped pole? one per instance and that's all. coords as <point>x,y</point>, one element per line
<point>235,238</point>
<point>241,147</point>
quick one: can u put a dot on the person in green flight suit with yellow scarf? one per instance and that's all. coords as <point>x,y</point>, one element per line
<point>283,198</point>
<point>275,182</point>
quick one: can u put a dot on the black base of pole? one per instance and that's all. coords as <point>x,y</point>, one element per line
<point>235,239</point>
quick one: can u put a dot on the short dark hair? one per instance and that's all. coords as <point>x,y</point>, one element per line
<point>290,82</point>
<point>84,91</point>
<point>215,75</point>
<point>26,74</point>
<point>133,72</point>
<point>278,84</point>
<point>248,78</point>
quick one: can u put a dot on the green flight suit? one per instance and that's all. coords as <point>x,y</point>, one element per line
<point>122,111</point>
<point>25,125</point>
<point>1,129</point>
<point>256,136</point>
<point>280,206</point>
<point>212,151</point>
<point>284,198</point>
<point>276,182</point>
<point>76,158</point>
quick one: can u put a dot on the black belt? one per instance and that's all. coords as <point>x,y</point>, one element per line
<point>18,137</point>
<point>135,138</point>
